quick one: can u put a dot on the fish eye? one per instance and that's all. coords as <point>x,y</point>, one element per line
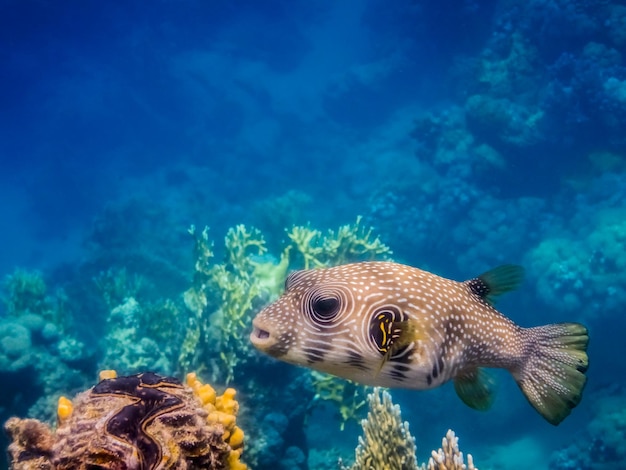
<point>326,307</point>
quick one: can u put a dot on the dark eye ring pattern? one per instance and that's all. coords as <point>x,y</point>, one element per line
<point>324,307</point>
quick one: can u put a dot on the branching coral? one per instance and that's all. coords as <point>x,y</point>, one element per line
<point>241,281</point>
<point>195,298</point>
<point>307,242</point>
<point>349,243</point>
<point>387,444</point>
<point>449,457</point>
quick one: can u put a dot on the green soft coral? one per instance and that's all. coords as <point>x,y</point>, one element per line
<point>240,282</point>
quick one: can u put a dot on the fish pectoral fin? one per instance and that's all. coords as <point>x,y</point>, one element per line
<point>498,281</point>
<point>475,388</point>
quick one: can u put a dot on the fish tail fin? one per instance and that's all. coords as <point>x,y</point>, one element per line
<point>552,377</point>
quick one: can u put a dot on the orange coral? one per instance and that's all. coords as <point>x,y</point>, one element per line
<point>64,409</point>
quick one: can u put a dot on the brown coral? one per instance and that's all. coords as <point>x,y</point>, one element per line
<point>143,421</point>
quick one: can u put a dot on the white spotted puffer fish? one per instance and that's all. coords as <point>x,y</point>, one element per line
<point>391,325</point>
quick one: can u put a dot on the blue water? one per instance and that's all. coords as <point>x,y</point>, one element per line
<point>468,134</point>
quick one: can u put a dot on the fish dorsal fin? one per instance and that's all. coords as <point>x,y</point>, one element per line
<point>492,284</point>
<point>475,388</point>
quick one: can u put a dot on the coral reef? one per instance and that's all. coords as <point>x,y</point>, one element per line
<point>39,355</point>
<point>602,444</point>
<point>584,266</point>
<point>541,97</point>
<point>502,123</point>
<point>116,285</point>
<point>580,45</point>
<point>26,293</point>
<point>444,141</point>
<point>387,443</point>
<point>275,213</point>
<point>138,421</point>
<point>283,400</point>
<point>129,348</point>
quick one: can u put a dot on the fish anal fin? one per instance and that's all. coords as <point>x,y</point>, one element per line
<point>475,388</point>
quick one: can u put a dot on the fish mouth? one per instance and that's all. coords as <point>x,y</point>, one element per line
<point>260,333</point>
<point>261,338</point>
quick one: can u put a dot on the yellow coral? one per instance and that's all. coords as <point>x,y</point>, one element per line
<point>227,403</point>
<point>353,243</point>
<point>221,409</point>
<point>234,463</point>
<point>107,374</point>
<point>248,278</point>
<point>203,249</point>
<point>64,408</point>
<point>206,393</point>
<point>236,438</point>
<point>269,276</point>
<point>228,421</point>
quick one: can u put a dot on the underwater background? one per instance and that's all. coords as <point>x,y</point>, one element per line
<point>453,136</point>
